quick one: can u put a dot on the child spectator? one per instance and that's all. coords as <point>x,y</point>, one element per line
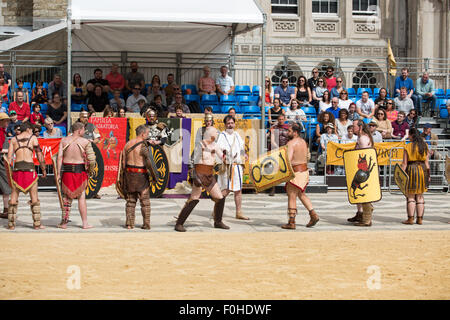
<point>36,116</point>
<point>10,131</point>
<point>39,94</point>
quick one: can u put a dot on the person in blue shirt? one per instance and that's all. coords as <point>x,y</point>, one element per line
<point>405,81</point>
<point>334,109</point>
<point>284,92</point>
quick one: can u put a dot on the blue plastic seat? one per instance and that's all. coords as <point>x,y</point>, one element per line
<point>440,93</point>
<point>256,90</point>
<point>443,112</point>
<point>78,107</point>
<point>209,100</point>
<point>367,120</point>
<point>228,100</point>
<point>242,90</point>
<point>45,85</point>
<point>351,93</point>
<point>63,130</point>
<point>193,88</point>
<point>448,94</point>
<point>27,85</point>
<point>251,110</point>
<point>309,111</point>
<point>361,90</point>
<point>244,100</point>
<point>192,97</point>
<point>376,92</point>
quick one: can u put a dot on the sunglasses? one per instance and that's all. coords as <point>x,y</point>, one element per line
<point>344,93</point>
<point>380,114</point>
<point>284,81</point>
<point>388,102</point>
<point>338,81</point>
<point>136,88</point>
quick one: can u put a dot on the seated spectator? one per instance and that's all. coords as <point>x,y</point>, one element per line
<point>344,101</point>
<point>156,79</point>
<point>51,131</point>
<point>403,102</point>
<point>115,79</point>
<point>21,108</point>
<point>382,99</point>
<point>57,111</point>
<point>117,102</point>
<point>384,124</point>
<point>317,93</point>
<point>143,106</point>
<point>412,119</point>
<point>334,109</point>
<point>206,84</point>
<point>5,75</point>
<point>178,102</point>
<point>342,123</point>
<point>98,101</point>
<point>108,112</point>
<point>425,93</point>
<point>39,94</point>
<point>224,83</point>
<point>278,133</point>
<point>97,80</point>
<point>133,100</point>
<point>328,136</point>
<point>336,91</point>
<point>3,90</point>
<point>331,79</point>
<point>57,85</point>
<point>323,119</point>
<point>178,113</point>
<point>349,137</point>
<point>10,131</point>
<point>365,107</point>
<point>155,90</point>
<point>208,110</point>
<point>17,129</point>
<point>284,92</point>
<point>159,107</point>
<point>232,112</point>
<point>19,88</point>
<point>121,113</point>
<point>132,79</point>
<point>313,82</point>
<point>405,81</point>
<point>294,114</point>
<point>171,89</point>
<point>78,90</point>
<point>391,110</point>
<point>303,92</point>
<point>37,130</point>
<point>36,116</point>
<point>373,125</point>
<point>400,127</point>
<point>268,92</point>
<point>325,103</point>
<point>275,111</point>
<point>352,114</point>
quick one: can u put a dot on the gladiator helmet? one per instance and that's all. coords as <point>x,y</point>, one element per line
<point>209,117</point>
<point>151,115</point>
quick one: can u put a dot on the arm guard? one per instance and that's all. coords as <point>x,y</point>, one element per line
<point>40,157</point>
<point>145,154</point>
<point>90,155</point>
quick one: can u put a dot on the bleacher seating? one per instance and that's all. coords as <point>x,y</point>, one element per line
<point>309,111</point>
<point>44,109</point>
<point>63,130</point>
<point>440,93</point>
<point>226,102</point>
<point>310,128</point>
<point>193,88</point>
<point>209,100</point>
<point>251,110</point>
<point>78,107</point>
<point>256,90</point>
<point>45,85</point>
<point>361,90</point>
<point>351,93</point>
<point>242,91</point>
<point>192,97</point>
<point>448,94</point>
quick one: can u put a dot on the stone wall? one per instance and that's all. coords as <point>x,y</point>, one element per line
<point>47,13</point>
<point>17,12</point>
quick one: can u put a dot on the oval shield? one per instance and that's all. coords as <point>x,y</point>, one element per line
<point>159,184</point>
<point>95,182</point>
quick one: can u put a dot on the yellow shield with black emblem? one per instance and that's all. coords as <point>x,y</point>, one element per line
<point>401,179</point>
<point>362,176</point>
<point>271,169</point>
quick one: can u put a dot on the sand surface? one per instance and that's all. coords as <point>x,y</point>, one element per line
<point>279,265</point>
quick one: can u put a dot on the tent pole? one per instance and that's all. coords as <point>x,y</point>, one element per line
<point>263,86</point>
<point>69,64</point>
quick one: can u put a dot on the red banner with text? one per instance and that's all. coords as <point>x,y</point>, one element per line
<point>49,148</point>
<point>113,135</point>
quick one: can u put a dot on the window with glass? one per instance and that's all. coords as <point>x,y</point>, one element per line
<point>365,7</point>
<point>325,6</point>
<point>285,6</point>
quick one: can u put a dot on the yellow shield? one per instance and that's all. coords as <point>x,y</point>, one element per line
<point>362,175</point>
<point>271,169</point>
<point>401,179</point>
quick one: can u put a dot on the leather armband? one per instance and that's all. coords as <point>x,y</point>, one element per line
<point>90,154</point>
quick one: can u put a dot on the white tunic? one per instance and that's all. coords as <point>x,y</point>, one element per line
<point>234,146</point>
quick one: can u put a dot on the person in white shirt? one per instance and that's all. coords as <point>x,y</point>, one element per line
<point>294,114</point>
<point>342,123</point>
<point>224,83</point>
<point>344,101</point>
<point>231,175</point>
<point>325,103</point>
<point>350,137</point>
<point>329,136</point>
<point>365,107</point>
<point>373,125</point>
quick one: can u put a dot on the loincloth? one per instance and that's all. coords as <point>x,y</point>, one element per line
<point>24,176</point>
<point>300,180</point>
<point>135,181</point>
<point>204,177</point>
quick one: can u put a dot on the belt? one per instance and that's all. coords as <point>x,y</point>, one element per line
<point>416,162</point>
<point>136,170</point>
<point>204,169</point>
<point>24,166</point>
<point>300,167</point>
<point>74,168</point>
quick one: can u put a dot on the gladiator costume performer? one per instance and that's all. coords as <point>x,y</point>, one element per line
<point>5,189</point>
<point>91,132</point>
<point>75,177</point>
<point>24,176</point>
<point>158,130</point>
<point>136,179</point>
<point>202,174</point>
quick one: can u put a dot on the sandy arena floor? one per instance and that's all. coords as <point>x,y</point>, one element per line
<point>272,265</point>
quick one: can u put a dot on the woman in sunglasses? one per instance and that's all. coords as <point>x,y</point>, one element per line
<point>317,93</point>
<point>344,101</point>
<point>336,91</point>
<point>384,125</point>
<point>381,100</point>
<point>390,110</point>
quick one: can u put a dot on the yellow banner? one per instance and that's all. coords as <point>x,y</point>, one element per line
<point>134,123</point>
<point>335,152</point>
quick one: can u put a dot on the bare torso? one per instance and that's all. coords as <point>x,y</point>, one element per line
<point>209,153</point>
<point>133,158</point>
<point>72,152</point>
<point>22,154</point>
<point>363,142</point>
<point>298,151</point>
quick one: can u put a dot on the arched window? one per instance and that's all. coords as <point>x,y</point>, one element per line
<point>291,70</point>
<point>367,75</point>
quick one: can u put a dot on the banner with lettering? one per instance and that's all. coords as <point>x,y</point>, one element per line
<point>49,148</point>
<point>335,152</point>
<point>113,135</point>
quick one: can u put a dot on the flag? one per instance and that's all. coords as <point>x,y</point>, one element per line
<point>391,59</point>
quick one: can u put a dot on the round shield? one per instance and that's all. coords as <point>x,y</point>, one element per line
<point>95,182</point>
<point>158,185</point>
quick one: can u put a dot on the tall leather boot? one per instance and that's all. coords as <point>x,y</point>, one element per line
<point>410,207</point>
<point>130,212</point>
<point>292,212</point>
<point>313,218</point>
<point>420,209</point>
<point>184,214</point>
<point>366,220</point>
<point>356,218</point>
<point>36,212</point>
<point>145,210</point>
<point>218,213</point>
<point>12,211</point>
